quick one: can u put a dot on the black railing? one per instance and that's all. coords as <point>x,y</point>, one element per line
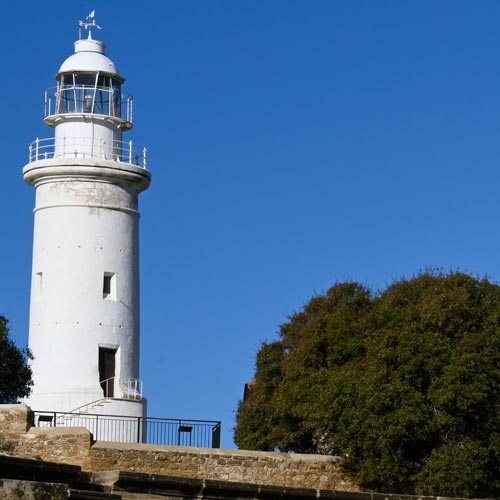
<point>150,430</point>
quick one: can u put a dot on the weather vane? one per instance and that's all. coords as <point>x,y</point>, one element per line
<point>88,25</point>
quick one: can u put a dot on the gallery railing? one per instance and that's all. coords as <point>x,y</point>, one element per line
<point>150,430</point>
<point>120,151</point>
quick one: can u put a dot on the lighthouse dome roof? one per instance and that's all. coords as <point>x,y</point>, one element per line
<point>89,56</point>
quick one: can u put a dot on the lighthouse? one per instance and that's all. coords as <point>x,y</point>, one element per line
<point>84,310</point>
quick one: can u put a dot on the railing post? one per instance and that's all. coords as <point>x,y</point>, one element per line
<point>130,152</point>
<point>216,436</point>
<point>37,142</point>
<point>138,429</point>
<point>96,428</point>
<point>145,164</point>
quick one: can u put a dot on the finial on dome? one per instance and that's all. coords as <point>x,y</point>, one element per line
<point>88,25</point>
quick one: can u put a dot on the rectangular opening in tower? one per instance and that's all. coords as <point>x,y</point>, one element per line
<point>107,371</point>
<point>38,286</point>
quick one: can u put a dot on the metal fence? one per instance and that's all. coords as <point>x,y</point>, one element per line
<point>120,151</point>
<point>150,430</point>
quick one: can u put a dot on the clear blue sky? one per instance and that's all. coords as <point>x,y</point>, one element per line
<point>292,144</point>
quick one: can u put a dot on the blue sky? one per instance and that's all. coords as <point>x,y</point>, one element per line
<point>292,143</point>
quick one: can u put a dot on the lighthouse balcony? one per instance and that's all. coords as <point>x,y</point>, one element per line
<point>88,100</point>
<point>122,388</point>
<point>97,149</point>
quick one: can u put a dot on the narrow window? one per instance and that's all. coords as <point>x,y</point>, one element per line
<point>106,288</point>
<point>38,286</point>
<point>109,286</point>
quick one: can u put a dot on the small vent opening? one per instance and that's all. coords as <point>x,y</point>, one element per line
<point>109,286</point>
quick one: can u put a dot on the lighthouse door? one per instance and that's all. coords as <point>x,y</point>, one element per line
<point>107,371</point>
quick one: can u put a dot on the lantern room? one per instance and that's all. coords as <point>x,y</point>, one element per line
<point>89,84</point>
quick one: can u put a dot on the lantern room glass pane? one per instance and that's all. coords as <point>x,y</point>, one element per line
<point>101,103</point>
<point>85,79</point>
<point>89,93</point>
<point>117,97</point>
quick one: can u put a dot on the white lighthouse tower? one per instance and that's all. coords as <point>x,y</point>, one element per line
<point>84,313</point>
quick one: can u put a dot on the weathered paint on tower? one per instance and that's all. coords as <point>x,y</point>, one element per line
<point>84,313</point>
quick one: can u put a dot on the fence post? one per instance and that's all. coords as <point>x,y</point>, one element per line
<point>130,152</point>
<point>139,429</point>
<point>216,436</point>
<point>37,142</point>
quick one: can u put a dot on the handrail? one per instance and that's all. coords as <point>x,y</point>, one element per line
<point>119,151</point>
<point>81,409</point>
<point>160,419</point>
<point>129,388</point>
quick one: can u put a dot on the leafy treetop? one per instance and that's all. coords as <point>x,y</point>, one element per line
<point>15,374</point>
<point>405,385</point>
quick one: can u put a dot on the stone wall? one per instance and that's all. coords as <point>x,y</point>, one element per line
<point>278,469</point>
<point>69,445</point>
<point>73,445</point>
<point>28,479</point>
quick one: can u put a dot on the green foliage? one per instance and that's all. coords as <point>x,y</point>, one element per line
<point>459,466</point>
<point>404,385</point>
<point>15,375</point>
<point>260,418</point>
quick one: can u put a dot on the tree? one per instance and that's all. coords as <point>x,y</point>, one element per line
<point>404,385</point>
<point>15,374</point>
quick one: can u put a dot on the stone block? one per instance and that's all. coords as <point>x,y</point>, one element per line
<point>15,419</point>
<point>11,489</point>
